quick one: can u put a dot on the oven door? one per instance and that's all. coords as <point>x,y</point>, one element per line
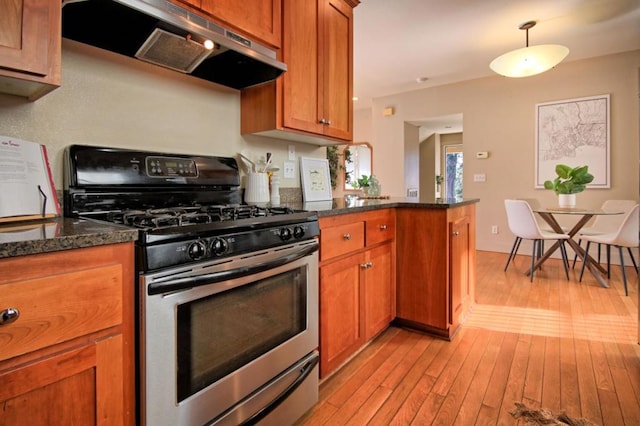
<point>215,335</point>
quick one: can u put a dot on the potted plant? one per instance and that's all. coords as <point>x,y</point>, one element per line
<point>570,181</point>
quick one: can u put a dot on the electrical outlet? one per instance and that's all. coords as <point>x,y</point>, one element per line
<point>292,153</point>
<point>289,170</point>
<point>494,229</point>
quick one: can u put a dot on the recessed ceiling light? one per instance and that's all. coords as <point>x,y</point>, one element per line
<point>421,79</point>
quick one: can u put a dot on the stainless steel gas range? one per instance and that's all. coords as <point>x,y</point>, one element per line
<point>227,312</point>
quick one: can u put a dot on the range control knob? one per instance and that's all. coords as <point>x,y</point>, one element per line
<point>197,250</point>
<point>285,234</point>
<point>298,232</point>
<point>219,246</point>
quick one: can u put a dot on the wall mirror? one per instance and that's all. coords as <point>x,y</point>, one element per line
<point>358,162</point>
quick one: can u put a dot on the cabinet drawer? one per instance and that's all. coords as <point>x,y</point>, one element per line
<point>382,228</point>
<point>58,308</point>
<point>341,239</point>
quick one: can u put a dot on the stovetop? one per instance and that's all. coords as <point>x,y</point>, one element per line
<point>187,208</point>
<point>171,217</point>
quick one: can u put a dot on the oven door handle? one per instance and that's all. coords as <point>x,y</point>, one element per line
<point>216,277</point>
<point>304,372</point>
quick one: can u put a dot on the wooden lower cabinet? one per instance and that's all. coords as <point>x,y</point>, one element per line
<point>341,325</point>
<point>357,283</point>
<point>435,280</point>
<point>68,357</point>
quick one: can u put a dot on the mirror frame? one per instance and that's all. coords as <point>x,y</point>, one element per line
<point>346,186</point>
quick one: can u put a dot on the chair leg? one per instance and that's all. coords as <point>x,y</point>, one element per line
<point>608,260</point>
<point>536,244</point>
<point>584,260</point>
<point>599,252</point>
<point>575,256</point>
<point>514,250</point>
<point>624,273</point>
<point>632,259</point>
<point>565,259</point>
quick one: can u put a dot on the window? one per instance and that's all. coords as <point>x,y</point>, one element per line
<point>453,162</point>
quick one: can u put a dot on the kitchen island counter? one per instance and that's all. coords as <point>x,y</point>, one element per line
<point>339,206</point>
<point>25,238</point>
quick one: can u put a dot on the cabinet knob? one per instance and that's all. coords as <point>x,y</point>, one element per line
<point>366,265</point>
<point>383,227</point>
<point>9,315</point>
<point>347,236</point>
<point>456,233</point>
<point>325,121</point>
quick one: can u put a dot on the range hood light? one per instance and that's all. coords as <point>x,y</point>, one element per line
<point>209,45</point>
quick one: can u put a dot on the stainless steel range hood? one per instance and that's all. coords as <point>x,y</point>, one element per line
<point>165,34</point>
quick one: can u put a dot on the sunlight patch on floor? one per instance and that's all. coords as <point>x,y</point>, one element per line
<point>542,322</point>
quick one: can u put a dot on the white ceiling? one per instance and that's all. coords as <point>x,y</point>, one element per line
<point>447,41</point>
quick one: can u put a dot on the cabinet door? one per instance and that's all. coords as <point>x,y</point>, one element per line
<point>69,388</point>
<point>260,19</point>
<point>30,46</point>
<point>341,328</point>
<point>337,69</point>
<point>460,291</point>
<point>378,290</point>
<point>302,105</point>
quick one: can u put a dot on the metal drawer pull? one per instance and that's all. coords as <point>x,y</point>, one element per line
<point>347,236</point>
<point>366,265</point>
<point>9,315</point>
<point>456,233</point>
<point>383,227</point>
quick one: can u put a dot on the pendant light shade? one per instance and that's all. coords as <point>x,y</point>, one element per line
<point>529,61</point>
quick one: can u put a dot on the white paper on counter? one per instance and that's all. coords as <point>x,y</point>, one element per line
<point>25,180</point>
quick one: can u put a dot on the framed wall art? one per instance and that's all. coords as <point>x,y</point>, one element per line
<point>575,132</point>
<point>315,179</point>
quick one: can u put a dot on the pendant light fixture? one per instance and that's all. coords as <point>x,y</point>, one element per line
<point>529,60</point>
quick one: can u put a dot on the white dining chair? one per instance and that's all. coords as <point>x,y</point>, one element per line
<point>625,236</point>
<point>523,225</point>
<point>544,226</point>
<point>603,224</point>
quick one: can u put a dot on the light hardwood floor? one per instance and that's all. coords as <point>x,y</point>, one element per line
<point>553,343</point>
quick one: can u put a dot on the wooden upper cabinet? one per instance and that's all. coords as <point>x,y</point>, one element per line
<point>312,101</point>
<point>30,52</point>
<point>336,46</point>
<point>259,19</point>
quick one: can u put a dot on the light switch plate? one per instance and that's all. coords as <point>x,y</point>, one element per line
<point>289,170</point>
<point>480,177</point>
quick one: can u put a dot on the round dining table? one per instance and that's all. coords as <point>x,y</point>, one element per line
<point>549,215</point>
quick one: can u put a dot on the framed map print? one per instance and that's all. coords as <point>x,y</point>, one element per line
<point>575,132</point>
<point>316,183</point>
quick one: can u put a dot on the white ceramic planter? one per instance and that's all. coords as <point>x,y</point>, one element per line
<point>567,200</point>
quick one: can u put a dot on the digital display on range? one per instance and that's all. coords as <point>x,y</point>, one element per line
<point>167,167</point>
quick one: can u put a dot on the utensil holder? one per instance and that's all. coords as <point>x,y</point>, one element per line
<point>257,189</point>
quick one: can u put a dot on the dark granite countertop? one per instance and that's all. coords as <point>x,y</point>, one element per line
<point>347,205</point>
<point>23,238</point>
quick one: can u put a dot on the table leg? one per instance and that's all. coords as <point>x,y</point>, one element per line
<point>596,269</point>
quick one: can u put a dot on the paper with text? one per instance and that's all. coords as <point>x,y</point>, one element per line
<point>26,184</point>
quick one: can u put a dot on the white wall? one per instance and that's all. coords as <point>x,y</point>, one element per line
<point>111,100</point>
<point>499,117</point>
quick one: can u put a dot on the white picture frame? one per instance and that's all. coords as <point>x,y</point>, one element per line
<point>315,180</point>
<point>575,132</point>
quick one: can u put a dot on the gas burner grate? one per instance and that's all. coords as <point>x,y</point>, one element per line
<point>191,215</point>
